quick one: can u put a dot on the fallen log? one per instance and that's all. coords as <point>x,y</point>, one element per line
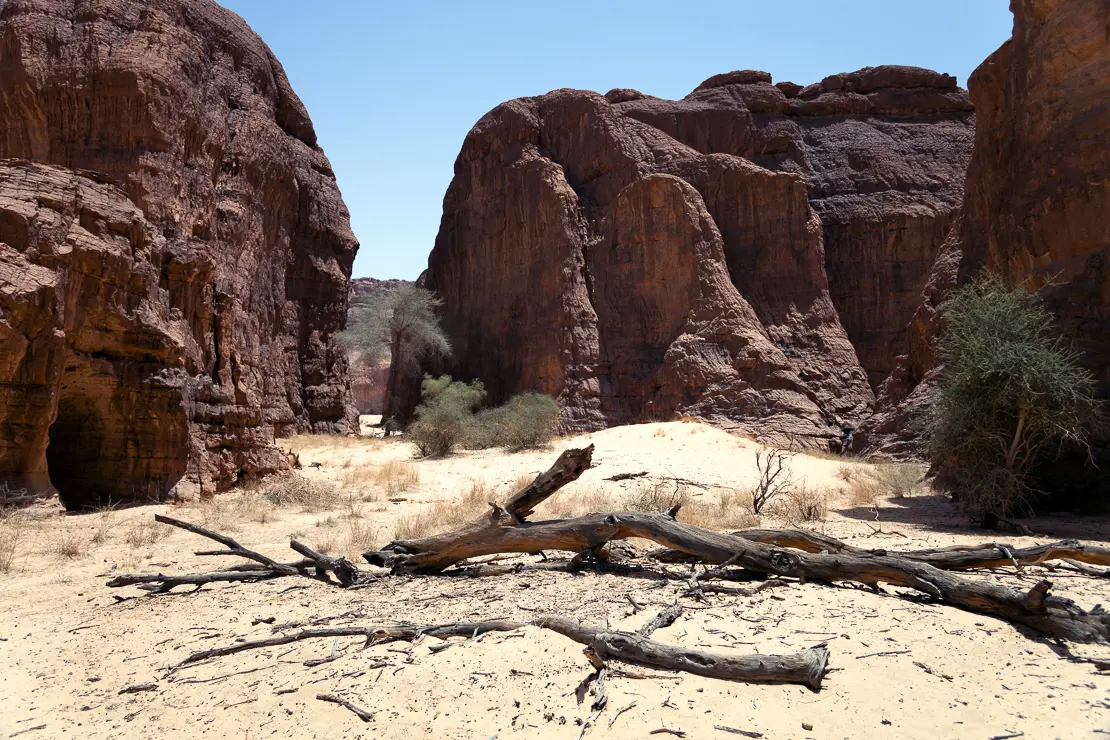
<point>806,668</point>
<point>957,557</point>
<point>505,529</point>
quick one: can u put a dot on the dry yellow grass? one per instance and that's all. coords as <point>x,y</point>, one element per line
<point>143,531</point>
<point>303,442</point>
<point>12,532</point>
<point>308,494</point>
<point>66,542</point>
<point>443,515</point>
<point>397,476</point>
<point>731,510</point>
<point>805,505</point>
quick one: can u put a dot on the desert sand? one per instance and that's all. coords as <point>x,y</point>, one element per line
<point>900,668</point>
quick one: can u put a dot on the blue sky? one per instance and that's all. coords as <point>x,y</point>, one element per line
<point>393,87</point>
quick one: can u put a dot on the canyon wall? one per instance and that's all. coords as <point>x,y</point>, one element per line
<point>640,258</point>
<point>174,252</point>
<point>1037,208</point>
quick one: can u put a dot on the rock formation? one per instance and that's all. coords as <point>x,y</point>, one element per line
<point>1037,204</point>
<point>173,312</point>
<point>642,258</point>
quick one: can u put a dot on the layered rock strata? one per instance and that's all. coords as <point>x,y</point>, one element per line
<point>641,258</point>
<point>173,313</point>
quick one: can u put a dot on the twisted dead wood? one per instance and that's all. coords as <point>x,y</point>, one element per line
<point>806,668</point>
<point>504,530</point>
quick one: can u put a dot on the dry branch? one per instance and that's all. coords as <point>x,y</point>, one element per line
<point>505,530</point>
<point>802,668</point>
<point>261,568</point>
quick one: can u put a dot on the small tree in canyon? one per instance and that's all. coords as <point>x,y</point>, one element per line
<point>1010,389</point>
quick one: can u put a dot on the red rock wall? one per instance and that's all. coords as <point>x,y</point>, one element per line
<point>586,254</point>
<point>642,258</point>
<point>188,112</point>
<point>1037,204</point>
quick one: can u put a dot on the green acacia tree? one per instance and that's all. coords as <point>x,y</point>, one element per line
<point>1010,391</point>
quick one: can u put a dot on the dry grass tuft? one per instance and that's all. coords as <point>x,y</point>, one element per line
<point>660,432</point>
<point>657,496</point>
<point>443,515</point>
<point>731,510</point>
<point>806,505</point>
<point>12,531</point>
<point>308,494</point>
<point>863,491</point>
<point>303,442</point>
<point>143,531</point>
<point>579,499</point>
<point>397,476</point>
<point>899,479</point>
<point>66,542</point>
<point>896,480</point>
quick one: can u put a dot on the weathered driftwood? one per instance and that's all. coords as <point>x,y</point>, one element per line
<point>261,567</point>
<point>805,668</point>
<point>957,557</point>
<point>791,553</point>
<point>504,530</point>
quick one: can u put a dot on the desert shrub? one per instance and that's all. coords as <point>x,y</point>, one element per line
<point>658,496</point>
<point>731,510</point>
<point>444,418</point>
<point>527,421</point>
<point>805,504</point>
<point>143,531</point>
<point>451,416</point>
<point>897,479</point>
<point>1009,391</point>
<point>774,478</point>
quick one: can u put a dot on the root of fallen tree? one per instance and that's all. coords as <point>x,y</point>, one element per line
<point>806,556</point>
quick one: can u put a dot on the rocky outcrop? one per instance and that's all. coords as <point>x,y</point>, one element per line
<point>883,152</point>
<point>1037,204</point>
<point>642,258</point>
<point>174,312</point>
<point>369,377</point>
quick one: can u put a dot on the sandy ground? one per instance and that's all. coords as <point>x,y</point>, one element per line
<point>900,668</point>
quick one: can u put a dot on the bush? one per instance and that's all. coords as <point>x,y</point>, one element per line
<point>451,416</point>
<point>527,421</point>
<point>1010,389</point>
<point>445,418</point>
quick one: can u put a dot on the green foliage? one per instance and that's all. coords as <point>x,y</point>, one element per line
<point>401,325</point>
<point>415,332</point>
<point>451,416</point>
<point>367,333</point>
<point>1009,391</point>
<point>445,417</point>
<point>525,422</point>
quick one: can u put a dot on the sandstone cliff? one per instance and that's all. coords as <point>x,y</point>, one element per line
<point>174,312</point>
<point>643,258</point>
<point>1037,204</point>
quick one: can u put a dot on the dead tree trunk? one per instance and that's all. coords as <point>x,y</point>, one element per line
<point>504,530</point>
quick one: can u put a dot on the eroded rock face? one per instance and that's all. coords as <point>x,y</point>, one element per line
<point>883,152</point>
<point>642,258</point>
<point>243,257</point>
<point>1037,204</point>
